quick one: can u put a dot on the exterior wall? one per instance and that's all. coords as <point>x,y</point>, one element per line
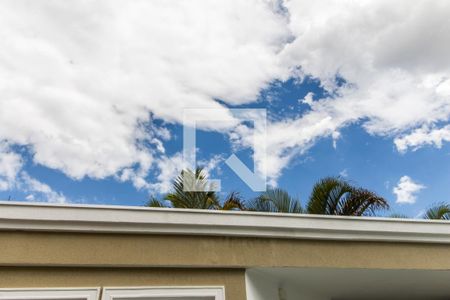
<point>35,277</point>
<point>262,287</point>
<point>119,250</point>
<point>52,259</point>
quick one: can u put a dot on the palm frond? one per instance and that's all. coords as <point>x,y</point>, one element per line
<point>398,216</point>
<point>260,204</point>
<point>362,202</point>
<point>233,202</point>
<point>276,200</point>
<point>326,196</point>
<point>191,189</point>
<point>336,196</point>
<point>154,202</point>
<point>440,211</point>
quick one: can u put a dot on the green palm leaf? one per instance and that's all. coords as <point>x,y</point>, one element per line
<point>153,202</point>
<point>398,216</point>
<point>336,196</point>
<point>439,211</point>
<point>233,202</point>
<point>202,198</point>
<point>276,200</point>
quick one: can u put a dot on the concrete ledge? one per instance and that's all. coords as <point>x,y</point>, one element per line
<point>20,216</point>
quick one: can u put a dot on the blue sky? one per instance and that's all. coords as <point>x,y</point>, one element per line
<point>92,101</point>
<point>366,160</point>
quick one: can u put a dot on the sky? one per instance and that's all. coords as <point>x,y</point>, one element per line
<point>93,96</point>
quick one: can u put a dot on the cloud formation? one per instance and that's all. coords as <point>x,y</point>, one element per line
<point>393,57</point>
<point>10,165</point>
<point>406,190</point>
<point>82,83</point>
<point>12,178</point>
<point>423,136</point>
<point>77,79</point>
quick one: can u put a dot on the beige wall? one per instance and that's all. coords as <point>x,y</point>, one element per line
<point>38,259</point>
<point>101,250</point>
<point>26,277</point>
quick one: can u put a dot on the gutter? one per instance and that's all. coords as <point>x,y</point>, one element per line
<point>24,216</point>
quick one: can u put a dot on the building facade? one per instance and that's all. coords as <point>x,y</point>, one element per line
<point>121,253</point>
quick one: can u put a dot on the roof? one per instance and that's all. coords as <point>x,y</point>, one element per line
<point>24,216</point>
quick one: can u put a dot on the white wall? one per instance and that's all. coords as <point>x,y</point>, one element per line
<point>261,286</point>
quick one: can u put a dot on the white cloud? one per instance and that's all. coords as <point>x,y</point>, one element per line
<point>393,57</point>
<point>78,81</point>
<point>168,168</point>
<point>407,190</point>
<point>77,78</point>
<point>308,99</point>
<point>423,136</point>
<point>212,164</point>
<point>344,173</point>
<point>39,191</point>
<point>10,165</point>
<point>12,177</point>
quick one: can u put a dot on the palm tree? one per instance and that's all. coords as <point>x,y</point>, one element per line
<point>440,211</point>
<point>201,198</point>
<point>276,200</point>
<point>155,202</point>
<point>336,196</point>
<point>330,196</point>
<point>232,202</point>
<point>398,216</point>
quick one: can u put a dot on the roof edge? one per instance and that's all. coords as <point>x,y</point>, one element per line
<point>24,216</point>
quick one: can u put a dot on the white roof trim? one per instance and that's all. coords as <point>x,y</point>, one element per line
<point>141,220</point>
